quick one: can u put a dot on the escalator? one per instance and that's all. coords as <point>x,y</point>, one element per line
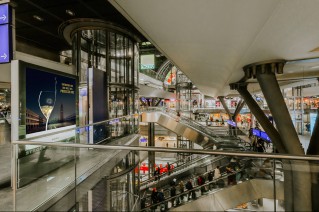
<point>227,192</point>
<point>232,196</point>
<point>187,168</point>
<point>193,131</point>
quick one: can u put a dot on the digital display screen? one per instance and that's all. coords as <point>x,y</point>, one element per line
<point>50,100</point>
<point>231,123</point>
<point>256,132</point>
<point>264,136</point>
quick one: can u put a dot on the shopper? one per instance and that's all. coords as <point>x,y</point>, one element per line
<point>217,173</point>
<point>154,198</point>
<point>173,194</point>
<point>189,187</point>
<point>181,190</point>
<point>168,166</point>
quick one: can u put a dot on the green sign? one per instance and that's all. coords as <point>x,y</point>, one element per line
<point>147,66</point>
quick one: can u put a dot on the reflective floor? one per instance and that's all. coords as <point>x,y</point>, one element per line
<point>5,152</point>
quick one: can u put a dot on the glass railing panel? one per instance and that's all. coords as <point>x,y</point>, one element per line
<point>208,180</point>
<point>41,173</point>
<point>105,131</point>
<point>246,181</point>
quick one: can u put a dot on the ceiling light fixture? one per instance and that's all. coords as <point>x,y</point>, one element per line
<point>70,12</point>
<point>38,18</point>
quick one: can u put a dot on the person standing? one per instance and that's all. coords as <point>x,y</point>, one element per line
<point>173,194</point>
<point>154,198</point>
<point>217,173</point>
<point>160,199</point>
<point>159,173</point>
<point>168,168</point>
<point>210,179</point>
<point>189,187</point>
<point>181,190</point>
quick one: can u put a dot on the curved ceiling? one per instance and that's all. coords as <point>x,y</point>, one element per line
<point>211,40</point>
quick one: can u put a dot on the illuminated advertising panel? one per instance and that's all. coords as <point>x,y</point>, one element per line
<point>50,100</point>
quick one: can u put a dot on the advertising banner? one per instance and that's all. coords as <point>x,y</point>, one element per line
<point>50,101</point>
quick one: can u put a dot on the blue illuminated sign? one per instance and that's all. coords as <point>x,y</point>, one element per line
<point>256,132</point>
<point>5,35</point>
<point>4,44</point>
<point>261,134</point>
<point>231,123</point>
<point>264,136</point>
<point>4,14</point>
<point>143,139</point>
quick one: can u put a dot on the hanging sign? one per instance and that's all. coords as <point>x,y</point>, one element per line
<point>5,34</point>
<point>4,13</point>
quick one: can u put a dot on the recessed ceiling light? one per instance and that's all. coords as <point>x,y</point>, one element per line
<point>36,17</point>
<point>70,12</point>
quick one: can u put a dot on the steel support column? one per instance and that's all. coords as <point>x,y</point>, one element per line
<point>301,177</point>
<point>240,106</point>
<point>221,99</point>
<point>276,140</point>
<point>262,119</point>
<point>230,128</point>
<point>279,110</point>
<point>151,143</point>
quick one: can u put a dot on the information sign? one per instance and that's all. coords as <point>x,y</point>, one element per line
<point>4,14</point>
<point>4,44</point>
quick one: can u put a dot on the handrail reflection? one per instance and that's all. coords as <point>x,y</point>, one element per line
<point>174,150</point>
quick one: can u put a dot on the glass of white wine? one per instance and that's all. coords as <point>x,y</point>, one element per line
<point>46,103</point>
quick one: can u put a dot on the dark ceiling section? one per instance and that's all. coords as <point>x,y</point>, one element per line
<point>37,21</point>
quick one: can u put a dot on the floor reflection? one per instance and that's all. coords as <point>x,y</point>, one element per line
<point>5,152</point>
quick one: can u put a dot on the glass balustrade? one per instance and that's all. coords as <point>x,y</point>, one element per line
<point>107,177</point>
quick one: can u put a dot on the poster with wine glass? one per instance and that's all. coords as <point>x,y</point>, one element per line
<point>50,100</point>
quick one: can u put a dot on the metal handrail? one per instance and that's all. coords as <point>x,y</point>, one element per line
<point>84,126</point>
<point>188,165</point>
<point>174,150</point>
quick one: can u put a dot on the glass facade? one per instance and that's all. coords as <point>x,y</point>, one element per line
<point>115,57</point>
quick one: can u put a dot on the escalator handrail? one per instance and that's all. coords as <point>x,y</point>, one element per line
<point>186,164</point>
